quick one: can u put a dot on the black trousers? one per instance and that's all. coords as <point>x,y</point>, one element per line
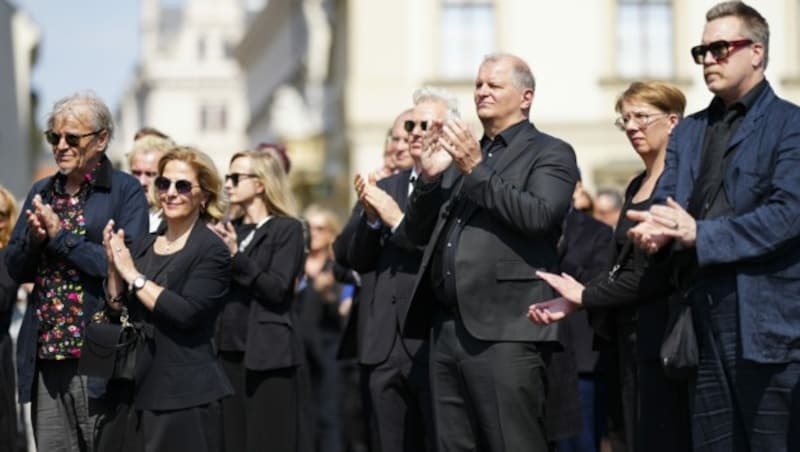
<point>398,401</point>
<point>487,396</point>
<point>739,405</point>
<point>265,411</point>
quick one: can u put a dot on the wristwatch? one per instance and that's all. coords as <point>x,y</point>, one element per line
<point>137,283</point>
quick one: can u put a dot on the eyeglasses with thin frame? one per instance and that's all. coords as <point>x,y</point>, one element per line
<point>719,49</point>
<point>235,177</point>
<point>641,119</point>
<point>182,186</point>
<point>138,173</point>
<point>409,125</point>
<point>71,138</point>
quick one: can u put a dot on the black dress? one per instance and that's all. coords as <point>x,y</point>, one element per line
<point>631,311</point>
<point>8,405</point>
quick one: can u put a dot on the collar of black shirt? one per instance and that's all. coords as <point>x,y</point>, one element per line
<point>506,136</point>
<point>743,105</point>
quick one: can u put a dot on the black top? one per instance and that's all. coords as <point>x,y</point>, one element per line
<point>717,156</point>
<point>8,295</point>
<point>233,319</point>
<point>177,368</point>
<point>443,259</point>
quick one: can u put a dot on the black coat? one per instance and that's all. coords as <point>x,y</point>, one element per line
<point>178,368</point>
<point>266,273</point>
<point>395,262</point>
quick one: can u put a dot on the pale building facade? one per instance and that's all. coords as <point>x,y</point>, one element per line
<point>582,52</point>
<point>19,41</point>
<point>187,82</point>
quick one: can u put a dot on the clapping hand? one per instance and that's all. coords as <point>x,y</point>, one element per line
<point>457,139</point>
<point>377,202</point>
<point>571,292</point>
<point>227,233</point>
<point>434,159</point>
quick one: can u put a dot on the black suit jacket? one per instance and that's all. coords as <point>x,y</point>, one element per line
<point>265,273</point>
<point>395,262</point>
<point>510,229</point>
<point>177,367</point>
<point>352,344</point>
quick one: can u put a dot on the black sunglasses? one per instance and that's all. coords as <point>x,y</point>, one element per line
<point>182,186</point>
<point>234,177</point>
<point>409,125</point>
<point>719,49</point>
<point>71,139</point>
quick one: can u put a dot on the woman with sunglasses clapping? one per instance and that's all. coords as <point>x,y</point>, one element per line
<point>174,282</point>
<point>260,346</point>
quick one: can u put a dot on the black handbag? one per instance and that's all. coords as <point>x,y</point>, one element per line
<point>109,348</point>
<point>679,352</point>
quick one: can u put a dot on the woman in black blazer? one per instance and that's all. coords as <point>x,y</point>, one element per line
<point>259,345</point>
<point>173,283</point>
<point>628,305</point>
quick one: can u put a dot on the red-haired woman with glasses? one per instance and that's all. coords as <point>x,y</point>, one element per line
<point>174,282</point>
<point>260,347</point>
<point>627,306</point>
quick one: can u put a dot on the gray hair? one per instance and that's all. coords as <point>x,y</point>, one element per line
<point>755,26</point>
<point>434,94</point>
<point>100,115</point>
<point>521,75</point>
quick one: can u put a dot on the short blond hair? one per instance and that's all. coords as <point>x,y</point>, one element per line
<point>5,233</point>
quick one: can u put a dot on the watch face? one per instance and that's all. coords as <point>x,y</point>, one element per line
<point>138,283</point>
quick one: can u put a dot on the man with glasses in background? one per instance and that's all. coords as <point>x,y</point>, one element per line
<point>57,245</point>
<point>730,224</point>
<point>395,368</point>
<point>143,163</point>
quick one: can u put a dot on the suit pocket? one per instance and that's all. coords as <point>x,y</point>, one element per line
<point>515,271</point>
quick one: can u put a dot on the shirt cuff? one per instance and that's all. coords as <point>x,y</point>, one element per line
<point>394,228</point>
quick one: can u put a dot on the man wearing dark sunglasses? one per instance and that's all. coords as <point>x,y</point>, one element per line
<point>394,368</point>
<point>57,245</point>
<point>731,197</point>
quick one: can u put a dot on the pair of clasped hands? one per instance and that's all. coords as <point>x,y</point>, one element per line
<point>43,222</point>
<point>657,227</point>
<point>442,144</point>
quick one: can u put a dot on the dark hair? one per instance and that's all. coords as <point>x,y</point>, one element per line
<point>280,150</point>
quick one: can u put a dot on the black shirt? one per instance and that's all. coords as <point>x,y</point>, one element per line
<point>443,259</point>
<point>728,119</point>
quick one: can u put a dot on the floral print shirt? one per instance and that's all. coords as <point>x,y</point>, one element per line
<point>58,289</point>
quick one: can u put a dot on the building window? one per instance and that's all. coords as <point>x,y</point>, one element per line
<point>213,117</point>
<point>467,35</point>
<point>644,39</point>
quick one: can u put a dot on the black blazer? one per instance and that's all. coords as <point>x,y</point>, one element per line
<point>178,369</point>
<point>510,229</point>
<point>395,261</point>
<point>353,341</point>
<point>265,273</point>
